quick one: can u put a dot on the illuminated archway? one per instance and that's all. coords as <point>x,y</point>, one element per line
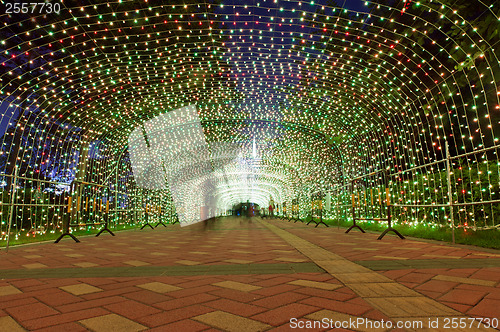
<point>328,93</point>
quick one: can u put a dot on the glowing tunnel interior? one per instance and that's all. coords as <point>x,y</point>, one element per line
<point>357,101</point>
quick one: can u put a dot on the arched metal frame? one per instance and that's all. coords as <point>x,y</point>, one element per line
<point>384,88</point>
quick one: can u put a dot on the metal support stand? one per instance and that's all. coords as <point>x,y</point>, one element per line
<point>176,221</point>
<point>66,233</point>
<point>317,222</point>
<point>390,229</point>
<point>160,222</point>
<point>354,225</point>
<point>147,222</point>
<point>105,227</point>
<point>320,219</point>
<point>66,225</point>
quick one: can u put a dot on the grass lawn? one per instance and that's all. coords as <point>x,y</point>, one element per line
<point>481,238</point>
<point>48,236</point>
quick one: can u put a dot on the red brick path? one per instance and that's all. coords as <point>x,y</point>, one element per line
<point>190,302</point>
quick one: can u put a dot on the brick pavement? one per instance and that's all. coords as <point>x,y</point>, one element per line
<point>241,275</point>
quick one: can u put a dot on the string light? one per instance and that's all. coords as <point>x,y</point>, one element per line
<point>326,94</point>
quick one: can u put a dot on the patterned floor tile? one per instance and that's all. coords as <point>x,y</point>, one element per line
<point>237,286</point>
<point>111,322</point>
<point>9,290</point>
<point>187,262</point>
<point>35,266</point>
<point>315,284</point>
<point>232,323</point>
<point>80,289</point>
<point>238,261</point>
<point>7,324</point>
<point>469,281</point>
<point>159,287</point>
<point>136,263</point>
<point>85,264</point>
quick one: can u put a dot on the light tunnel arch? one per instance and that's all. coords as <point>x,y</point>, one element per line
<point>388,88</point>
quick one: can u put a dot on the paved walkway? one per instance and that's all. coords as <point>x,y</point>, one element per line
<point>240,274</point>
